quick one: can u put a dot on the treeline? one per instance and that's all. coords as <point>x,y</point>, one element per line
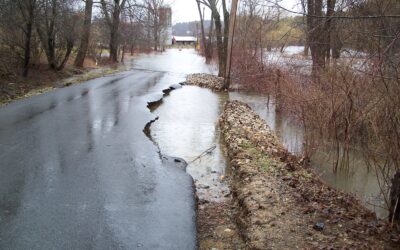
<point>65,30</point>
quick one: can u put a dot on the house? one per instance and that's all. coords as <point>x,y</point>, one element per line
<point>184,40</point>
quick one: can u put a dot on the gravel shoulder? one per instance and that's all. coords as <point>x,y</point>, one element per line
<point>281,204</point>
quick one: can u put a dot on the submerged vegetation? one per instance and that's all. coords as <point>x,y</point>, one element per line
<point>281,203</point>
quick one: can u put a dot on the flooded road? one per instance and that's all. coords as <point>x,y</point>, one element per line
<point>187,126</point>
<point>77,171</point>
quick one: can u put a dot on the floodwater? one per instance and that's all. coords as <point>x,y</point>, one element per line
<point>292,59</point>
<point>357,179</point>
<point>187,127</point>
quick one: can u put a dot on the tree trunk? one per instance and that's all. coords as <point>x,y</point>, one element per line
<point>114,44</point>
<point>394,210</point>
<point>220,45</point>
<point>28,36</point>
<point>114,33</point>
<point>328,28</point>
<point>231,34</point>
<point>315,36</point>
<point>123,53</point>
<point>47,36</point>
<point>306,48</point>
<point>155,39</point>
<point>113,23</point>
<point>203,35</point>
<point>48,46</point>
<point>209,41</point>
<point>80,58</point>
<point>70,46</point>
<point>226,33</point>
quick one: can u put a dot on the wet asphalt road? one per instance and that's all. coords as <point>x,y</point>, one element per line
<point>77,171</point>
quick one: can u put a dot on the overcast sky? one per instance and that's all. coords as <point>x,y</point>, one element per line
<point>186,10</point>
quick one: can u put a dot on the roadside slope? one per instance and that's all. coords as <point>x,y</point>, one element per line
<point>283,205</point>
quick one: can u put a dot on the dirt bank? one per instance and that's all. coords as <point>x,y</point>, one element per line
<point>206,81</point>
<point>216,226</point>
<point>283,205</point>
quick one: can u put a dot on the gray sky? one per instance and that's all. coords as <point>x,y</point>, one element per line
<point>186,10</point>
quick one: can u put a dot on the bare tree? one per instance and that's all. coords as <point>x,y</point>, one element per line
<point>316,35</point>
<point>27,8</point>
<point>222,38</point>
<point>56,28</point>
<point>206,44</point>
<point>85,36</point>
<point>158,20</point>
<point>112,11</point>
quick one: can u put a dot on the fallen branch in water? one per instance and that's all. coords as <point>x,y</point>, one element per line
<point>206,152</point>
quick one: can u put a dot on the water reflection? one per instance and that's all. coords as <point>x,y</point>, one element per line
<point>290,134</point>
<point>186,128</point>
<point>356,179</point>
<point>188,59</point>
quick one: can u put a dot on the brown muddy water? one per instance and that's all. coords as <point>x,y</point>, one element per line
<point>357,179</point>
<point>187,127</point>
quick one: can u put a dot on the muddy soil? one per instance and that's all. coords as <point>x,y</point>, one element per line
<point>284,205</point>
<point>41,79</point>
<point>217,228</point>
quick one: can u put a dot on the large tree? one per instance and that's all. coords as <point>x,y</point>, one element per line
<point>27,9</point>
<point>316,38</point>
<point>56,27</point>
<point>112,10</point>
<point>222,38</point>
<point>205,43</point>
<point>85,36</point>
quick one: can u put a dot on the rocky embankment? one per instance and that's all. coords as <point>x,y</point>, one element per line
<point>206,81</point>
<point>283,205</point>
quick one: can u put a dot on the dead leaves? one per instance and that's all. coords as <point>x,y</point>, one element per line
<point>205,81</point>
<point>297,200</point>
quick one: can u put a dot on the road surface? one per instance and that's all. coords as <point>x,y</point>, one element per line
<point>77,171</point>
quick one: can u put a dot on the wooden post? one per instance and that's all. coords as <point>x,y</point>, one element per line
<point>232,21</point>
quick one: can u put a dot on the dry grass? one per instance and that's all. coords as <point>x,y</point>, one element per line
<point>280,201</point>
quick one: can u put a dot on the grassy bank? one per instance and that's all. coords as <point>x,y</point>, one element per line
<point>42,80</point>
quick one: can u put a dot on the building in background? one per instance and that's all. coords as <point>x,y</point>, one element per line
<point>184,40</point>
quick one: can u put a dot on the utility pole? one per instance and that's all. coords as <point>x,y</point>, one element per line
<point>232,21</point>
